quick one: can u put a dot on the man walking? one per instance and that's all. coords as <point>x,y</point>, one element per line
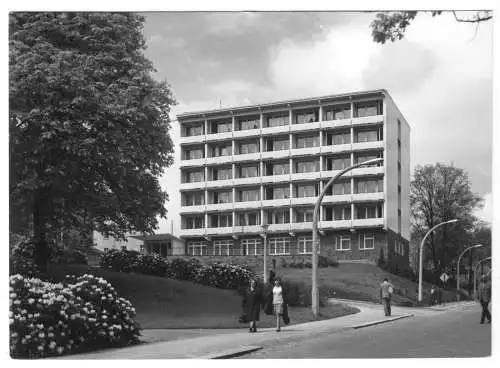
<point>386,290</point>
<point>484,296</point>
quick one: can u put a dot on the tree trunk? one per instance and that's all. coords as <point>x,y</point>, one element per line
<point>40,210</point>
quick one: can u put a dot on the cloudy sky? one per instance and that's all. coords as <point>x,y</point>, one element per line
<point>440,75</point>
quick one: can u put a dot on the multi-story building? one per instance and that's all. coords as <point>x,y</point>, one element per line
<point>254,172</point>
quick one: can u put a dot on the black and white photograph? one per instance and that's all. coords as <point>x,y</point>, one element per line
<point>250,183</point>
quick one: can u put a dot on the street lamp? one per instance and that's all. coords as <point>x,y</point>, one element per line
<point>458,267</point>
<point>475,272</point>
<point>264,236</point>
<point>314,291</point>
<point>421,255</point>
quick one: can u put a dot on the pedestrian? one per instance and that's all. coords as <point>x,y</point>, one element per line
<point>484,297</point>
<point>280,307</point>
<point>386,290</point>
<point>252,302</point>
<point>433,295</point>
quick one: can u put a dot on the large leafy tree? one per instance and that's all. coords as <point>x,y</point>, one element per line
<point>391,26</point>
<point>89,125</point>
<point>440,193</point>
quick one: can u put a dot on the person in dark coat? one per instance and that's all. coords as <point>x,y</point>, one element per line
<point>386,290</point>
<point>252,302</point>
<point>484,297</point>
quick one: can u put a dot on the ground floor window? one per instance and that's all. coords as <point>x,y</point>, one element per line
<point>343,242</point>
<point>304,245</point>
<point>279,246</point>
<point>222,247</point>
<point>252,247</point>
<point>197,248</point>
<point>399,248</point>
<point>366,241</point>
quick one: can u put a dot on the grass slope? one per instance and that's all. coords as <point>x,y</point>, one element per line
<point>163,303</point>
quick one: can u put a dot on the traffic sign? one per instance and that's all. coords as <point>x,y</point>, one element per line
<point>444,277</point>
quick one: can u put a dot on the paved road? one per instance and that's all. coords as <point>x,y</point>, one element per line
<point>454,333</point>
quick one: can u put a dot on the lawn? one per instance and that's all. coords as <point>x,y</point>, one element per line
<point>360,281</point>
<point>163,303</point>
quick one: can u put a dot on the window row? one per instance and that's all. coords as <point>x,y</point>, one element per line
<point>282,143</point>
<point>281,216</point>
<point>302,116</point>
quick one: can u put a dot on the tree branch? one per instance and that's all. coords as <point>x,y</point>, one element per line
<point>477,19</point>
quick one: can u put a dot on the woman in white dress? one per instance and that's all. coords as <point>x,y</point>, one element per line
<point>279,300</point>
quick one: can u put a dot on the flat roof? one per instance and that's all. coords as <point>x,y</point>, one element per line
<point>278,103</point>
<point>164,236</point>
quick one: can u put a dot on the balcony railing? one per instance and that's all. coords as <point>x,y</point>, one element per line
<point>219,136</point>
<point>368,222</point>
<point>220,207</point>
<point>368,197</point>
<point>336,123</point>
<point>193,162</point>
<point>367,145</point>
<point>305,127</point>
<point>368,120</point>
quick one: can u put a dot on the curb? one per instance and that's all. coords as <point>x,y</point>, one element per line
<point>381,321</point>
<point>231,353</point>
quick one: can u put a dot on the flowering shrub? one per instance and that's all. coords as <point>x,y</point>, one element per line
<point>23,266</point>
<point>120,260</point>
<point>224,276</point>
<point>185,269</point>
<point>151,265</point>
<point>82,314</point>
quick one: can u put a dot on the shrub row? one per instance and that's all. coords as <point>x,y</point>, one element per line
<point>81,314</point>
<point>323,262</point>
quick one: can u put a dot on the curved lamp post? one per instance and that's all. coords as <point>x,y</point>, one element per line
<point>475,272</point>
<point>421,255</point>
<point>458,266</point>
<point>264,261</point>
<point>314,291</point>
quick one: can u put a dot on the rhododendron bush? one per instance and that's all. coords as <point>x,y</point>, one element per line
<point>81,314</point>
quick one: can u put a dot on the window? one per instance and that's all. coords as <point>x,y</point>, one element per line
<point>307,142</point>
<point>248,147</point>
<point>306,166</point>
<point>278,169</point>
<point>141,249</point>
<point>338,112</point>
<point>399,248</point>
<point>338,163</point>
<point>279,246</point>
<point>194,153</point>
<point>368,211</point>
<point>249,171</point>
<point>221,220</point>
<point>363,109</point>
<point>338,138</point>
<point>248,123</point>
<point>342,213</point>
<point>369,186</point>
<point>193,130</point>
<point>278,192</point>
<point>222,150</point>
<point>342,188</point>
<point>278,217</point>
<point>278,119</point>
<point>277,144</point>
<point>222,247</point>
<point>197,248</point>
<point>372,135</point>
<point>194,176</point>
<point>248,218</point>
<point>366,241</point>
<point>221,126</point>
<point>220,197</point>
<point>194,199</point>
<point>363,157</point>
<point>194,222</point>
<point>304,215</point>
<point>252,247</point>
<point>343,243</point>
<point>307,190</point>
<point>222,173</point>
<point>305,245</point>
<point>306,117</point>
<point>248,195</point>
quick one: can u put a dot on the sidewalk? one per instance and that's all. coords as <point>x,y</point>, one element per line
<point>222,343</point>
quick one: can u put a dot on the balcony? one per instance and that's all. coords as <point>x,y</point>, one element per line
<point>368,120</point>
<point>275,178</point>
<point>275,154</point>
<point>219,136</point>
<point>306,176</point>
<point>219,160</point>
<point>193,139</point>
<point>246,133</point>
<point>279,227</point>
<point>367,171</point>
<point>247,205</point>
<point>246,181</point>
<point>193,232</point>
<point>219,183</point>
<point>371,222</point>
<point>276,130</point>
<point>303,200</point>
<point>196,185</point>
<point>194,162</point>
<point>368,145</point>
<point>248,229</point>
<point>276,202</point>
<point>337,224</point>
<point>338,198</point>
<point>219,207</point>
<point>306,151</point>
<point>368,197</point>
<point>302,226</point>
<point>336,123</point>
<point>305,127</point>
<point>247,157</point>
<point>336,148</point>
<point>193,209</point>
<point>219,230</point>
